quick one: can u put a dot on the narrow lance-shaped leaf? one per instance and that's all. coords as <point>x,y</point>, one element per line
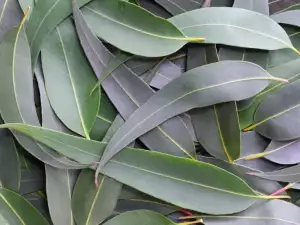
<point>16,210</point>
<point>16,92</point>
<point>230,26</point>
<point>69,83</point>
<point>44,18</point>
<point>263,213</point>
<point>278,6</point>
<point>288,17</point>
<point>128,92</point>
<point>176,7</point>
<point>167,174</point>
<point>149,36</point>
<point>203,86</point>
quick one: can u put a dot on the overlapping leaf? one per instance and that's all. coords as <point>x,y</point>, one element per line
<point>128,92</point>
<point>196,88</point>
<point>176,7</point>
<point>230,26</point>
<point>69,83</point>
<point>161,170</point>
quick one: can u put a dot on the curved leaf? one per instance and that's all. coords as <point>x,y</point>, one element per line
<point>44,18</point>
<point>16,92</point>
<point>16,210</point>
<point>277,117</point>
<point>138,217</point>
<point>230,26</point>
<point>92,205</point>
<point>278,6</point>
<point>203,86</point>
<point>260,6</point>
<point>149,36</point>
<point>128,92</point>
<point>69,83</point>
<point>176,6</point>
<point>263,213</point>
<point>161,170</point>
<point>59,188</point>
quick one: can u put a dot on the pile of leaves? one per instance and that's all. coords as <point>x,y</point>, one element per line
<point>149,112</point>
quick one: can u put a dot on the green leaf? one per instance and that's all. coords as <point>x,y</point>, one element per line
<point>16,92</point>
<point>230,26</point>
<point>45,16</point>
<point>93,205</point>
<point>279,6</point>
<point>260,6</point>
<point>276,117</point>
<point>16,210</point>
<point>263,213</point>
<point>149,36</point>
<point>138,217</point>
<point>288,17</point>
<point>69,83</point>
<point>173,179</point>
<point>10,169</point>
<point>128,92</point>
<point>194,89</point>
<point>59,187</point>
<point>11,15</point>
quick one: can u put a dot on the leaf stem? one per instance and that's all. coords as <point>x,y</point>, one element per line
<point>283,189</point>
<point>192,222</point>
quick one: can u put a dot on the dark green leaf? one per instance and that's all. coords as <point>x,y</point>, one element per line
<point>195,89</point>
<point>230,26</point>
<point>128,92</point>
<point>149,36</point>
<point>173,179</point>
<point>69,83</point>
<point>92,205</point>
<point>17,210</point>
<point>59,187</point>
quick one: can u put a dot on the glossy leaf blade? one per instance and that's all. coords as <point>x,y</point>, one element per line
<point>138,217</point>
<point>16,210</point>
<point>59,187</point>
<point>263,213</point>
<point>69,83</point>
<point>276,117</point>
<point>233,24</point>
<point>44,18</point>
<point>194,89</point>
<point>92,205</point>
<point>128,92</point>
<point>150,36</point>
<point>161,170</point>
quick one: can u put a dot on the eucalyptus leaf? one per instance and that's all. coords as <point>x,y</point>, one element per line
<point>288,17</point>
<point>278,6</point>
<point>128,92</point>
<point>176,7</point>
<point>69,83</point>
<point>149,36</point>
<point>16,210</point>
<point>199,90</point>
<point>230,26</point>
<point>92,205</point>
<point>161,170</point>
<point>275,212</point>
